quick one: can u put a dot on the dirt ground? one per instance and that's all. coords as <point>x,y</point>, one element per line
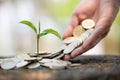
<point>91,68</point>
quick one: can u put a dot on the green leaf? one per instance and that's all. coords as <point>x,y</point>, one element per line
<point>42,34</point>
<point>29,24</point>
<point>50,31</point>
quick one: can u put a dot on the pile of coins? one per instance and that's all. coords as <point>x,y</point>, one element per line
<point>52,59</point>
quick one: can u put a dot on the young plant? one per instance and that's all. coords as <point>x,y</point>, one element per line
<point>38,31</point>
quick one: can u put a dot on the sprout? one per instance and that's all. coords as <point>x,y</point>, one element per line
<point>38,31</point>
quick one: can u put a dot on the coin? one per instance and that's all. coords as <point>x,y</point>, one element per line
<point>53,60</point>
<point>56,52</point>
<point>39,58</point>
<point>32,54</point>
<point>71,47</point>
<point>77,43</point>
<point>33,65</point>
<point>59,56</point>
<point>78,31</point>
<point>70,40</point>
<point>74,65</point>
<point>45,60</point>
<point>8,64</point>
<point>88,23</point>
<point>43,52</point>
<point>55,64</point>
<point>33,59</point>
<point>21,64</point>
<point>38,54</point>
<point>85,35</point>
<point>46,56</point>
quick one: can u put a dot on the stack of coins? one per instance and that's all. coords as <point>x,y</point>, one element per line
<point>52,59</point>
<point>80,34</point>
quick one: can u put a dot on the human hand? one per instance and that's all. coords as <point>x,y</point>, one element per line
<point>103,12</point>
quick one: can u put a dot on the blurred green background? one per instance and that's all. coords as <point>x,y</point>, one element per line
<point>17,38</point>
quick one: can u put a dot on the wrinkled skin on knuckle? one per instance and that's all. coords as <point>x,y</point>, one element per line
<point>107,21</point>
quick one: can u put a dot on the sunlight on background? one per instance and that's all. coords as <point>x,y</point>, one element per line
<point>18,38</point>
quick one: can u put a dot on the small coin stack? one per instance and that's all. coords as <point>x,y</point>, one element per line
<point>52,59</point>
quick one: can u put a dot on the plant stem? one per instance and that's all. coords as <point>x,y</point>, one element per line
<point>37,44</point>
<point>38,36</point>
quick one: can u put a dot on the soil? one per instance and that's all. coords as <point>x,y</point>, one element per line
<point>91,68</point>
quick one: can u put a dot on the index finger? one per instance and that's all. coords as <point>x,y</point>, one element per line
<point>73,22</point>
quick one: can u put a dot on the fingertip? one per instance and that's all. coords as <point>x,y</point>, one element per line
<point>74,21</point>
<point>73,55</point>
<point>66,57</point>
<point>64,36</point>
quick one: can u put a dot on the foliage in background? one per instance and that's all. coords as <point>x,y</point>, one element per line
<point>117,20</point>
<point>63,8</point>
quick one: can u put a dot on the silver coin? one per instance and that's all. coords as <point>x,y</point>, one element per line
<point>85,35</point>
<point>59,56</point>
<point>46,56</point>
<point>55,64</point>
<point>71,47</point>
<point>74,65</point>
<point>33,65</point>
<point>21,64</point>
<point>8,64</point>
<point>78,43</point>
<point>32,54</point>
<point>43,52</point>
<point>52,61</point>
<point>33,59</point>
<point>70,40</point>
<point>45,60</point>
<point>82,38</point>
<point>37,54</point>
<point>39,58</point>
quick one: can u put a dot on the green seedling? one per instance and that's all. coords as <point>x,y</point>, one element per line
<point>38,31</point>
